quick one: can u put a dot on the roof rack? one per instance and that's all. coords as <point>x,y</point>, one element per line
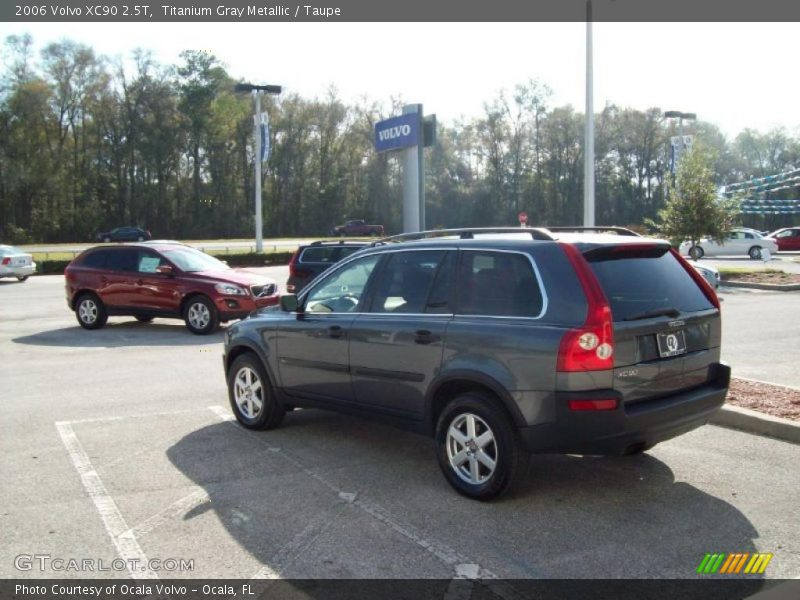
<point>599,229</point>
<point>466,233</point>
<point>333,242</point>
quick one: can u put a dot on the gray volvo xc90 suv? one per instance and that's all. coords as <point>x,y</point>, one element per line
<point>498,343</point>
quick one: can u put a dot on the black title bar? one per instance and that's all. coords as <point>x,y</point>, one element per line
<point>176,11</point>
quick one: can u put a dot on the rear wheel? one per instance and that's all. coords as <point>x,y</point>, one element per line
<point>23,278</point>
<point>252,400</point>
<point>107,239</point>
<point>478,448</point>
<point>696,252</point>
<point>140,239</point>
<point>200,315</point>
<point>755,252</point>
<point>90,312</point>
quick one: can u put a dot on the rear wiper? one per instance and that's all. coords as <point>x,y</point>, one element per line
<point>658,312</point>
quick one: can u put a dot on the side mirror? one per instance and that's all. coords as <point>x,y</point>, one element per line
<point>289,302</point>
<point>165,270</point>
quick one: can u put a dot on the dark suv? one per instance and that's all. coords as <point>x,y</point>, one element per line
<point>497,343</point>
<point>162,280</point>
<point>312,259</point>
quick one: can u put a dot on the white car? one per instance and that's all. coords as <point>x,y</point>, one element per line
<point>738,242</point>
<point>16,263</point>
<point>709,273</point>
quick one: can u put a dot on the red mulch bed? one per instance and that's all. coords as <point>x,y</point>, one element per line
<point>774,400</point>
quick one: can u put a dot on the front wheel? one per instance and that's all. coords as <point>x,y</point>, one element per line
<point>252,400</point>
<point>22,278</point>
<point>90,312</point>
<point>200,315</point>
<point>696,252</point>
<point>755,253</point>
<point>478,448</point>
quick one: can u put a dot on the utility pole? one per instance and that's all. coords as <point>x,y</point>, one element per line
<point>256,90</point>
<point>588,158</point>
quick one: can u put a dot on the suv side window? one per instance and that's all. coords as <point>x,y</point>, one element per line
<point>501,284</point>
<point>405,280</point>
<point>341,291</point>
<point>123,260</point>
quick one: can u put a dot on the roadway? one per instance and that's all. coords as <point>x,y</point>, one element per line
<point>120,440</point>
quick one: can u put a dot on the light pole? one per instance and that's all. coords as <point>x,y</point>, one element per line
<point>256,90</point>
<point>681,116</point>
<point>588,159</point>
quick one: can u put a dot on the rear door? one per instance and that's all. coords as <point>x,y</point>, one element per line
<point>396,345</point>
<point>117,279</point>
<point>666,330</point>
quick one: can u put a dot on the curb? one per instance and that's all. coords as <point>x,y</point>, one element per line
<point>750,421</point>
<point>775,287</point>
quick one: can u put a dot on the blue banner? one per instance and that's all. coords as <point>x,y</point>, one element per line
<point>397,132</point>
<point>264,141</point>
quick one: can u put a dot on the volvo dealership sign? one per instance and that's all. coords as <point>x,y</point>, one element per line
<point>397,133</point>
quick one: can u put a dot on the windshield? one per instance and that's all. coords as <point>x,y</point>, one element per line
<point>192,261</point>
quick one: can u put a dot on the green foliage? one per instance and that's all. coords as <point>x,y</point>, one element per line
<point>87,145</point>
<point>693,210</point>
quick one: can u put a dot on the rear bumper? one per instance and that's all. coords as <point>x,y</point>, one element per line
<point>631,427</point>
<point>23,271</point>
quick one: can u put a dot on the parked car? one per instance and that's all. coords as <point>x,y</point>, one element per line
<point>738,242</point>
<point>710,273</point>
<point>162,280</point>
<point>312,259</point>
<point>495,346</point>
<point>16,263</point>
<point>124,234</point>
<point>788,238</point>
<point>357,227</point>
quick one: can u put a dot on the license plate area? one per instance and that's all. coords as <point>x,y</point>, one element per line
<point>671,344</point>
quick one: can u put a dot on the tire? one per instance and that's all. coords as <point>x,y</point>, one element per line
<point>200,315</point>
<point>503,448</point>
<point>22,278</point>
<point>696,252</point>
<point>252,400</point>
<point>755,253</point>
<point>90,312</point>
<point>107,240</point>
<point>140,239</point>
<point>144,319</point>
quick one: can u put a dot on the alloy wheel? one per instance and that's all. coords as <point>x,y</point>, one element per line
<point>248,392</point>
<point>471,448</point>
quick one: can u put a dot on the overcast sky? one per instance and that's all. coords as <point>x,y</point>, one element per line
<point>735,75</point>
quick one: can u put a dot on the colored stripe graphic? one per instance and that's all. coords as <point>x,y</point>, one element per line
<point>724,563</point>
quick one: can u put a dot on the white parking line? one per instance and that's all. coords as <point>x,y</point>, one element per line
<point>441,551</point>
<point>116,527</point>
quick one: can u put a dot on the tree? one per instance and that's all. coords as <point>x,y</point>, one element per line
<point>693,209</point>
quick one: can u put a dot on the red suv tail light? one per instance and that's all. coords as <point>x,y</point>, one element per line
<point>601,404</point>
<point>591,346</point>
<point>6,260</point>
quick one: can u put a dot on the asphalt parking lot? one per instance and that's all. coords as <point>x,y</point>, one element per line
<point>119,443</point>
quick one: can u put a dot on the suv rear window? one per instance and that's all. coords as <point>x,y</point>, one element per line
<point>638,280</point>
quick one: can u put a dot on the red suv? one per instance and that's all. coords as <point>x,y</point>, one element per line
<point>162,280</point>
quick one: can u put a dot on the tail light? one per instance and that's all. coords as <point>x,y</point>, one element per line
<point>591,346</point>
<point>698,279</point>
<point>6,260</point>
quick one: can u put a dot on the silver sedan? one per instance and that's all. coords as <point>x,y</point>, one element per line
<point>16,263</point>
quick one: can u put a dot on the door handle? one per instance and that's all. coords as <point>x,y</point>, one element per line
<point>335,331</point>
<point>423,336</point>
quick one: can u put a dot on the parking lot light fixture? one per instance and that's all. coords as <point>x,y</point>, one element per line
<point>256,90</point>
